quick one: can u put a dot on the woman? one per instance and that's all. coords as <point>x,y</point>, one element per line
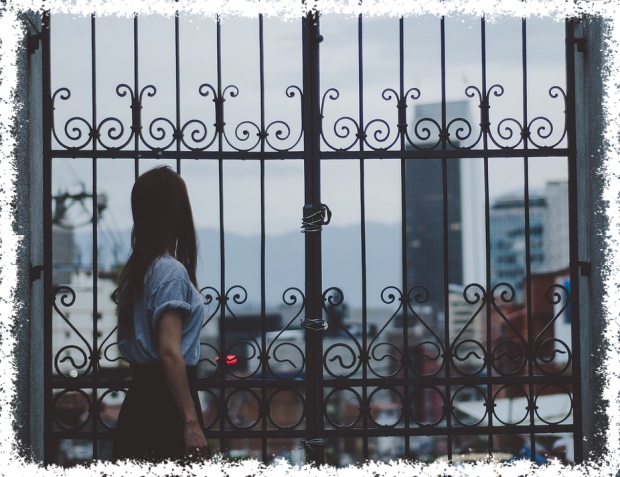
<point>160,316</point>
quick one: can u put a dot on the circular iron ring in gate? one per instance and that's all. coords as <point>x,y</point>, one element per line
<point>338,407</point>
<point>385,356</point>
<point>426,358</point>
<point>555,407</point>
<point>102,417</point>
<point>418,405</point>
<point>241,352</point>
<point>509,415</point>
<point>243,408</point>
<point>545,356</point>
<point>473,413</point>
<point>383,409</point>
<point>72,409</point>
<point>346,367</point>
<point>509,357</point>
<point>286,405</point>
<point>281,354</point>
<point>210,405</point>
<point>465,353</point>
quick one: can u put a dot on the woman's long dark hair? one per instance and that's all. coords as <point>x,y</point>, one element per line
<point>163,221</point>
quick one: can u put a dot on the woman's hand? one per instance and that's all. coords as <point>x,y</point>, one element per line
<point>195,443</point>
<point>175,374</point>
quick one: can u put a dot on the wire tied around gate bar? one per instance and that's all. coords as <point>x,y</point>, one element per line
<point>314,221</point>
<point>312,443</point>
<point>314,325</point>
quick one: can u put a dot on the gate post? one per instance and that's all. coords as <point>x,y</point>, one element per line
<point>26,286</point>
<point>47,238</point>
<point>573,228</point>
<point>590,227</point>
<point>311,124</point>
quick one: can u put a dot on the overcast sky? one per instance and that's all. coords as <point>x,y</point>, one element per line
<point>339,67</point>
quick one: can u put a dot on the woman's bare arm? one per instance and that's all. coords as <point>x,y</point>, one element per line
<point>175,374</point>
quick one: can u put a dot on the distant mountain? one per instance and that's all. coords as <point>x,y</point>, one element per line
<point>284,261</point>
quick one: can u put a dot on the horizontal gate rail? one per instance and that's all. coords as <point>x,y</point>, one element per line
<point>336,382</point>
<point>355,432</point>
<point>325,155</point>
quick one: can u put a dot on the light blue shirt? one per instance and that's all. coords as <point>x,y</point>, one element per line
<point>166,287</point>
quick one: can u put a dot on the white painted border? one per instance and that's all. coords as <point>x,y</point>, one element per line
<point>10,35</point>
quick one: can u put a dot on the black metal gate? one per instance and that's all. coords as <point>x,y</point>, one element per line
<point>451,367</point>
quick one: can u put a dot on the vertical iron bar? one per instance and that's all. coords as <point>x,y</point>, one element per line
<point>48,112</point>
<point>177,66</point>
<point>403,187</point>
<point>263,353</point>
<point>484,112</point>
<point>447,347</point>
<point>136,126</point>
<point>526,210</point>
<point>365,403</point>
<point>95,348</point>
<point>573,235</point>
<point>311,123</point>
<point>222,325</point>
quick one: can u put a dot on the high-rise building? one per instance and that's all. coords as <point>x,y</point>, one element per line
<point>64,255</point>
<point>508,238</point>
<point>548,234</point>
<point>556,237</point>
<point>425,226</point>
<point>428,194</point>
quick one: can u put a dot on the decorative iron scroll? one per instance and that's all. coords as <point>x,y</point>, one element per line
<point>78,353</point>
<point>342,134</point>
<point>283,351</point>
<point>67,354</point>
<point>505,353</point>
<point>546,348</point>
<point>503,357</point>
<point>162,134</point>
<point>428,133</point>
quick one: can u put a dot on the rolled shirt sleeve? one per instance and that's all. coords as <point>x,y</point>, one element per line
<point>170,295</point>
<point>167,286</point>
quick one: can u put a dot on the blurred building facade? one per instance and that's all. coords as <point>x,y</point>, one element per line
<point>428,193</point>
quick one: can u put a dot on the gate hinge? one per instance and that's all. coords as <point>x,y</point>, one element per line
<point>315,217</point>
<point>35,272</point>
<point>581,44</point>
<point>33,42</point>
<point>584,268</point>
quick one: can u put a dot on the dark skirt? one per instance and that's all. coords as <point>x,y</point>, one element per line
<point>150,426</point>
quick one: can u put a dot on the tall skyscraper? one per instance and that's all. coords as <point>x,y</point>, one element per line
<point>427,196</point>
<point>64,255</point>
<point>556,238</point>
<point>508,238</point>
<point>548,234</point>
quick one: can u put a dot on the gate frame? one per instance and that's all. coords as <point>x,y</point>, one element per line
<point>313,156</point>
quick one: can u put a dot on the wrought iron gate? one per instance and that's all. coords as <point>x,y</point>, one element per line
<point>450,365</point>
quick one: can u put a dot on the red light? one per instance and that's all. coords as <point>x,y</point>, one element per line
<point>230,359</point>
